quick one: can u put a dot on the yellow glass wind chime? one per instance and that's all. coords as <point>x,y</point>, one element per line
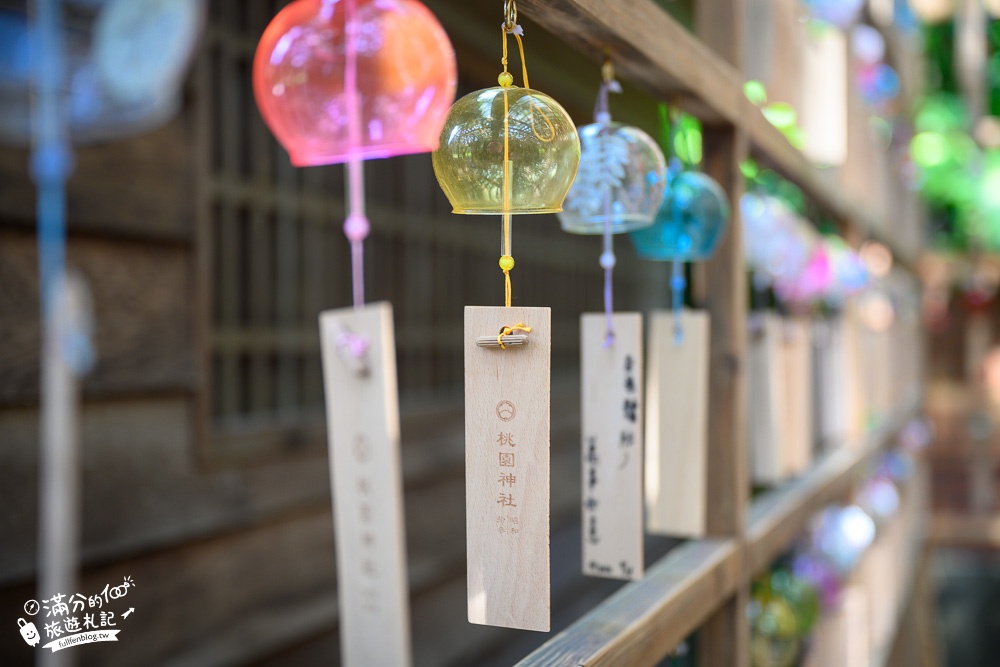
<point>541,151</point>
<point>503,151</point>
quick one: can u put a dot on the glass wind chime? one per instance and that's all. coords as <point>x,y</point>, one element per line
<point>350,80</point>
<point>503,151</point>
<point>541,151</point>
<point>342,81</point>
<point>691,222</point>
<point>619,186</point>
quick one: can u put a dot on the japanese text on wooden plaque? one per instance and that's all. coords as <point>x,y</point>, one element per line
<point>612,443</point>
<point>507,469</point>
<point>362,409</point>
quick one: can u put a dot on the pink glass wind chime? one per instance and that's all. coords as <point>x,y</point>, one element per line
<point>342,81</point>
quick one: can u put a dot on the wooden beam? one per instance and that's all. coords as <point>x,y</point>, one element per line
<point>723,283</point>
<point>724,640</point>
<point>642,622</point>
<point>953,529</point>
<point>650,48</point>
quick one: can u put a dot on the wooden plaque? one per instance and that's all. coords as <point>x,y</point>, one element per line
<point>362,411</point>
<point>829,383</point>
<point>855,368</point>
<point>796,347</point>
<point>677,426</point>
<point>611,439</point>
<point>507,469</point>
<point>857,626</point>
<point>766,398</point>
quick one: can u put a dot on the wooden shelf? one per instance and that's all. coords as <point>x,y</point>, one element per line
<point>650,49</point>
<point>643,621</point>
<point>654,51</point>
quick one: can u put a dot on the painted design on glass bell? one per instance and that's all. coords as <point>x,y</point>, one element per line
<point>622,173</point>
<point>625,161</point>
<point>604,157</point>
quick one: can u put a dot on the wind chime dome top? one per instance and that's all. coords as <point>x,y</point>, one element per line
<point>542,153</point>
<point>354,78</point>
<point>691,221</point>
<point>621,180</point>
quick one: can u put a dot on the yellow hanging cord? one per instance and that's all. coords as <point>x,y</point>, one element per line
<point>506,80</point>
<point>506,331</point>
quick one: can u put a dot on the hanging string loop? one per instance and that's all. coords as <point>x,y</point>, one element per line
<point>602,115</point>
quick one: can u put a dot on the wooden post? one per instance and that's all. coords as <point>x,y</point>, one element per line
<point>721,283</point>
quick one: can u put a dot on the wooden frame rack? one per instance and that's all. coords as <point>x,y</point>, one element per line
<point>705,583</point>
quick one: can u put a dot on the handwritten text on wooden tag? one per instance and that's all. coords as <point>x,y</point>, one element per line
<point>612,445</point>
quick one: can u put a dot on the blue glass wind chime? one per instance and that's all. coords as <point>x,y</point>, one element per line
<point>690,223</point>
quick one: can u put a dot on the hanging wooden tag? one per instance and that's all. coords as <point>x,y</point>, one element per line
<point>766,396</point>
<point>677,425</point>
<point>611,430</point>
<point>796,347</point>
<point>854,366</point>
<point>829,383</point>
<point>507,469</point>
<point>362,411</point>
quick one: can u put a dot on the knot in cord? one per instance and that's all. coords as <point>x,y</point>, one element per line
<point>506,331</point>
